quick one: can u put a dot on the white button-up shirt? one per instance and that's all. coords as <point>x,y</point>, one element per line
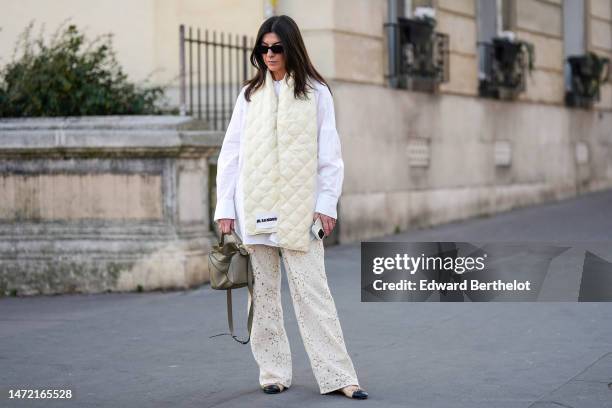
<point>330,167</point>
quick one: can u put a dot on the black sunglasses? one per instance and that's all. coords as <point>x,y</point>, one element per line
<point>276,49</point>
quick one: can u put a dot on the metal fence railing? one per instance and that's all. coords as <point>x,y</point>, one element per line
<point>213,67</point>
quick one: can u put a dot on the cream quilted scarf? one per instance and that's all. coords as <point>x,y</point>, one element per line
<point>280,164</point>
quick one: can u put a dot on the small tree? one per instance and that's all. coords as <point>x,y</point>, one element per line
<point>64,79</point>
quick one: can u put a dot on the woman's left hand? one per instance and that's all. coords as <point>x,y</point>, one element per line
<point>328,222</point>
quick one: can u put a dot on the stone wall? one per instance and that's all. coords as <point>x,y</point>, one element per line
<point>599,38</point>
<point>458,20</point>
<point>104,203</point>
<point>421,160</point>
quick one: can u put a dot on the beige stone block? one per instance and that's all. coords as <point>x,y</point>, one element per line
<point>114,204</point>
<point>398,209</point>
<point>151,197</point>
<point>519,195</point>
<point>548,51</point>
<point>86,189</point>
<point>382,137</point>
<point>605,97</point>
<point>544,86</point>
<point>467,202</point>
<point>301,12</point>
<point>142,196</point>
<point>321,49</point>
<point>80,196</point>
<point>359,58</point>
<point>190,190</point>
<point>455,166</point>
<point>539,16</point>
<point>601,34</point>
<point>460,6</point>
<point>431,207</point>
<point>601,8</point>
<point>418,209</point>
<point>64,197</point>
<point>353,210</point>
<point>359,16</point>
<point>7,192</point>
<point>26,196</point>
<point>103,188</point>
<point>163,268</point>
<point>132,200</point>
<point>196,269</point>
<point>463,75</point>
<point>461,31</point>
<point>458,155</point>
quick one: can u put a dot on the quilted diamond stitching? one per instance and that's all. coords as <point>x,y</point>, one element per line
<point>280,166</point>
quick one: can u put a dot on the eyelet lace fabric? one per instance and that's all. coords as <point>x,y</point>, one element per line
<point>316,314</point>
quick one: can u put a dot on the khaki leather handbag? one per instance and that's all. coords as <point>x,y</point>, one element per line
<point>230,268</point>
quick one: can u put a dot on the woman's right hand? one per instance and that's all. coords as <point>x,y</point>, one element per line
<point>226,225</point>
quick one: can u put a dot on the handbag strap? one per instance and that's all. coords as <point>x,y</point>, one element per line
<point>230,317</point>
<point>233,233</point>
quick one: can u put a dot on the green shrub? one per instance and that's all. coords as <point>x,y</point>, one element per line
<point>70,77</point>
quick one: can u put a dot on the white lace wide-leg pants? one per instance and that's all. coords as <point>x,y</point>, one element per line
<point>316,315</point>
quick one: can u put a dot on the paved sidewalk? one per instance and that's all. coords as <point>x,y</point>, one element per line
<point>153,350</point>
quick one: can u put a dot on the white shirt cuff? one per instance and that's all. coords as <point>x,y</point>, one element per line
<point>327,205</point>
<point>225,209</point>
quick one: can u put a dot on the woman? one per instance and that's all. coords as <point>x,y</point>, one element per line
<point>279,170</point>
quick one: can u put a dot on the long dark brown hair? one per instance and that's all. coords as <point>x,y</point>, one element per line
<point>297,62</point>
